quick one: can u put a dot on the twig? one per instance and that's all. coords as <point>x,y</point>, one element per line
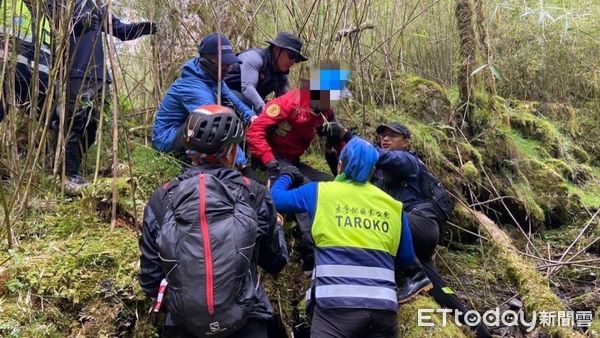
<point>491,200</point>
<point>576,239</point>
<point>467,231</point>
<point>571,263</point>
<point>348,32</point>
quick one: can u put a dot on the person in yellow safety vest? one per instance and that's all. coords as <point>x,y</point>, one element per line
<point>362,240</point>
<point>24,30</point>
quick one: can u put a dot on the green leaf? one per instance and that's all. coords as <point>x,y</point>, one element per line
<point>497,72</point>
<point>480,68</point>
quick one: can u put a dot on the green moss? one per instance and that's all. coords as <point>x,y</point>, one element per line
<point>527,198</point>
<point>13,313</point>
<point>580,154</point>
<point>589,195</point>
<point>75,261</point>
<point>595,327</point>
<point>498,149</point>
<point>152,168</point>
<point>470,172</point>
<point>560,167</point>
<point>525,147</point>
<point>539,129</point>
<point>532,287</point>
<point>422,99</point>
<point>462,216</point>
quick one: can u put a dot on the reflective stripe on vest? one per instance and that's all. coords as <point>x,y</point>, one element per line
<point>29,63</point>
<point>355,291</point>
<point>356,230</point>
<point>17,21</point>
<point>354,271</point>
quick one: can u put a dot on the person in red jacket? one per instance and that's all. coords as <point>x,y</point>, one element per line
<point>288,124</point>
<point>286,127</point>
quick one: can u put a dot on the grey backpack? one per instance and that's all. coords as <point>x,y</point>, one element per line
<point>206,246</point>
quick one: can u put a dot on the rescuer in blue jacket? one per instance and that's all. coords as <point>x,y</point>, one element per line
<point>362,239</point>
<point>197,86</point>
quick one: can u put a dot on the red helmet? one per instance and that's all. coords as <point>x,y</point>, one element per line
<point>211,128</point>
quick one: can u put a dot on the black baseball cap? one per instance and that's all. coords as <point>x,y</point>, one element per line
<point>210,45</point>
<point>395,127</point>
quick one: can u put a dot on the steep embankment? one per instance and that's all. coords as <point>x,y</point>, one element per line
<point>528,177</point>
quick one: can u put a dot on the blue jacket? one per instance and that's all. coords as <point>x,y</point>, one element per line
<point>398,175</point>
<point>190,91</point>
<point>351,276</point>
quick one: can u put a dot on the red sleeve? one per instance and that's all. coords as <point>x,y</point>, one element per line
<point>272,114</point>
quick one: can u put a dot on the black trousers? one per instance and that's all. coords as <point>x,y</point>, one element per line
<point>353,323</point>
<point>252,329</point>
<point>23,89</point>
<point>425,233</point>
<point>85,104</point>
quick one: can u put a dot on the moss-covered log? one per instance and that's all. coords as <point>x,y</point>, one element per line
<point>532,287</point>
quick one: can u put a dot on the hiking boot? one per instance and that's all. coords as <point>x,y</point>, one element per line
<point>415,281</point>
<point>74,185</point>
<point>308,264</point>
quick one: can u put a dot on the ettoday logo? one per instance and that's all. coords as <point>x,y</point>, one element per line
<point>495,318</point>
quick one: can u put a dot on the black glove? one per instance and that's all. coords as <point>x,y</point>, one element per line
<point>295,174</point>
<point>333,129</point>
<point>272,169</point>
<point>146,28</point>
<point>92,22</point>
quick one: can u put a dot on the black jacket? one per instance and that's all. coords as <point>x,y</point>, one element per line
<point>398,173</point>
<point>86,52</point>
<point>271,252</point>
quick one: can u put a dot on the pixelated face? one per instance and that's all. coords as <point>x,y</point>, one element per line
<point>327,86</point>
<point>320,100</point>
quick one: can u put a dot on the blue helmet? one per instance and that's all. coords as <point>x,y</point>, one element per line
<point>358,159</point>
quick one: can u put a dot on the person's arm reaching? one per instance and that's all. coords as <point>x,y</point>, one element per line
<point>129,31</point>
<point>256,136</point>
<point>246,112</point>
<point>249,76</point>
<point>302,199</point>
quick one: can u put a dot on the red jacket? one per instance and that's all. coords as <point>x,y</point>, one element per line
<point>285,127</point>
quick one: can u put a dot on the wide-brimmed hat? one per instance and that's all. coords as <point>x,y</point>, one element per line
<point>291,42</point>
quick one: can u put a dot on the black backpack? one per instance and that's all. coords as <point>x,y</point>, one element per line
<point>433,191</point>
<point>206,245</point>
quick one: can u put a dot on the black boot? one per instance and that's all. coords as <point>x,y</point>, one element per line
<point>414,281</point>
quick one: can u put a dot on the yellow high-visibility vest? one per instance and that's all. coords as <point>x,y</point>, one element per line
<point>16,20</point>
<point>357,216</point>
